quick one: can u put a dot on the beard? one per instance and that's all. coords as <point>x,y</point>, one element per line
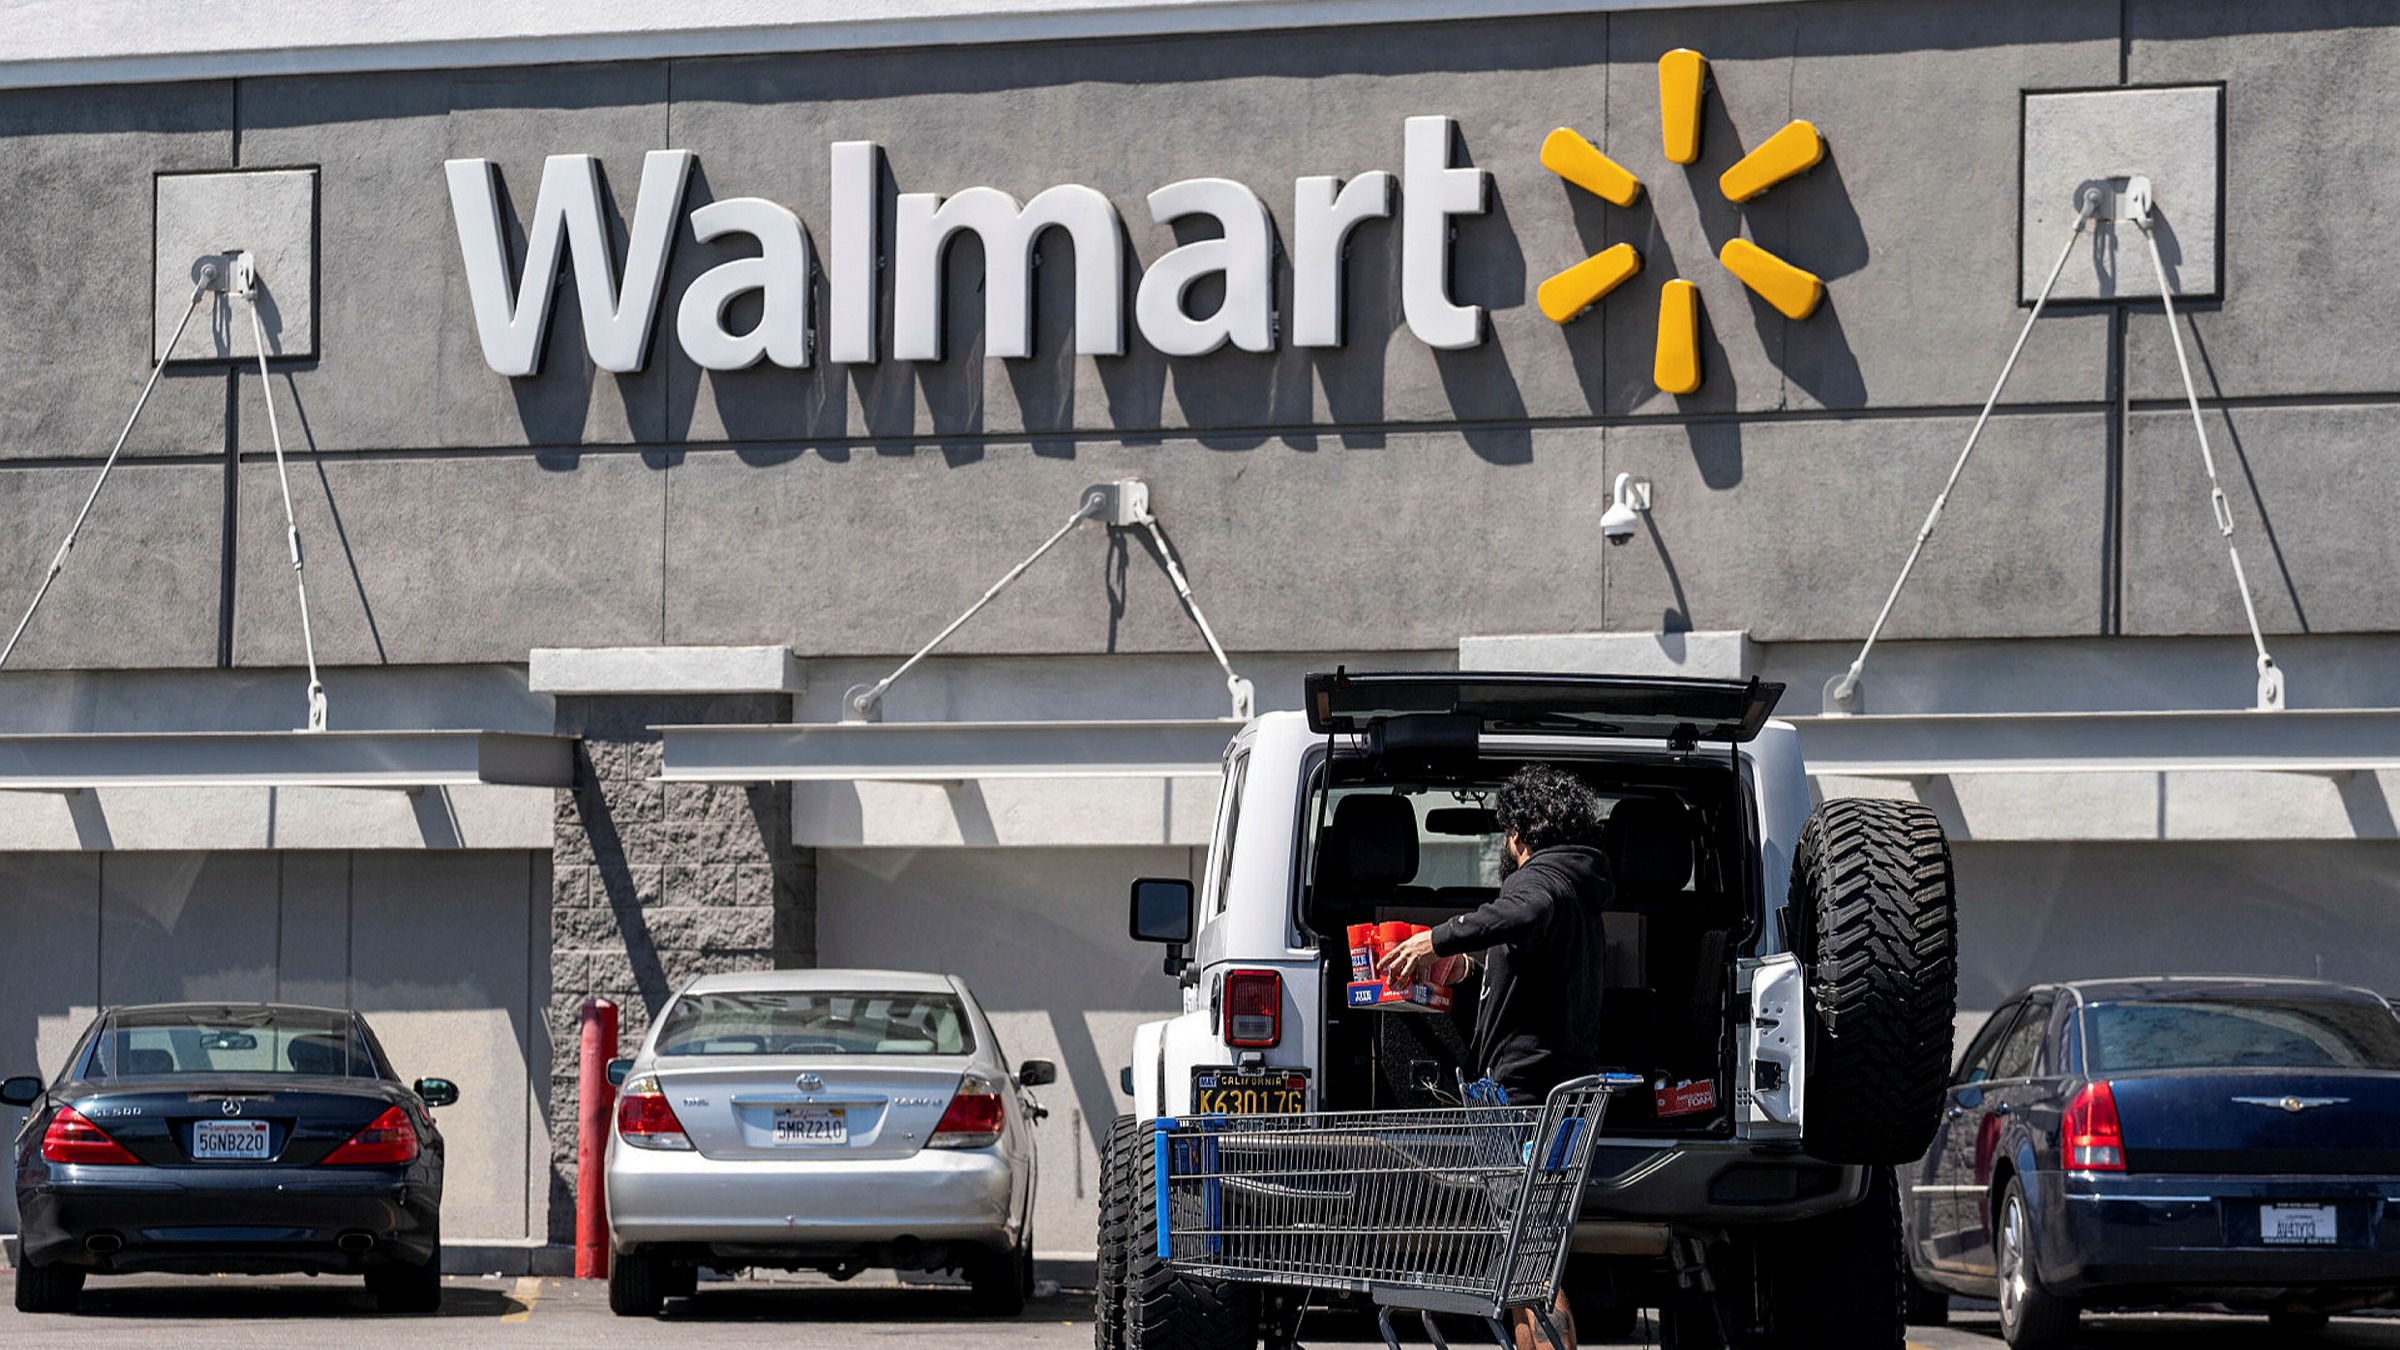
<point>1508,865</point>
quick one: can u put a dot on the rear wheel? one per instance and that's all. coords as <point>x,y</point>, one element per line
<point>1871,886</point>
<point>1166,1309</point>
<point>1833,1282</point>
<point>408,1289</point>
<point>1927,1307</point>
<point>48,1289</point>
<point>637,1284</point>
<point>1108,1287</point>
<point>998,1281</point>
<point>2031,1317</point>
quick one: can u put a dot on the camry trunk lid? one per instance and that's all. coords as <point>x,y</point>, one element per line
<point>2243,1122</point>
<point>851,1107</point>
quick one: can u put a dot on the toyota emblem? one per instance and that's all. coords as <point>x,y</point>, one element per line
<point>230,1106</point>
<point>809,1082</point>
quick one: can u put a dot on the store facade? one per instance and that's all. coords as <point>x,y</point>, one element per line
<point>638,386</point>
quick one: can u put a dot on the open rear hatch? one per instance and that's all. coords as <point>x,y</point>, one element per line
<point>1681,712</point>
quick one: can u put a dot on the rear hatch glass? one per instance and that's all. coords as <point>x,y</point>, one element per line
<point>1611,706</point>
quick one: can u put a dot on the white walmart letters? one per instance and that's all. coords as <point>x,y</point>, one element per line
<point>618,311</point>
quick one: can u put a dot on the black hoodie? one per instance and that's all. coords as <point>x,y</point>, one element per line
<point>1539,1021</point>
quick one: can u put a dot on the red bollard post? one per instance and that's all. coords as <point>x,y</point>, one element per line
<point>598,1103</point>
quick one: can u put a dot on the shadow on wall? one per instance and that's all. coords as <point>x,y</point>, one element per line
<point>2036,912</point>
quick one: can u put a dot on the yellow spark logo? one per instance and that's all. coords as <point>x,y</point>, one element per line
<point>1796,292</point>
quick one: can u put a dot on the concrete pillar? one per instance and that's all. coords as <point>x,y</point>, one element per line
<point>655,883</point>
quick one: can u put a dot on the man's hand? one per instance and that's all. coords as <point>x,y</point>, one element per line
<point>1408,962</point>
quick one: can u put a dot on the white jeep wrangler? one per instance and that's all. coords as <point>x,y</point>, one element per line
<point>1785,979</point>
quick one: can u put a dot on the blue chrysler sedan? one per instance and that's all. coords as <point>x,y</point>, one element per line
<point>2162,1141</point>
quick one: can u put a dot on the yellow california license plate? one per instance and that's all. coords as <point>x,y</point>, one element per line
<point>1249,1092</point>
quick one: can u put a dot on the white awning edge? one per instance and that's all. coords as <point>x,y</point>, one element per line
<point>2343,740</point>
<point>942,752</point>
<point>69,762</point>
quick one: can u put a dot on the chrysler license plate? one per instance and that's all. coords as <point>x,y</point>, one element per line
<point>812,1125</point>
<point>2298,1225</point>
<point>229,1139</point>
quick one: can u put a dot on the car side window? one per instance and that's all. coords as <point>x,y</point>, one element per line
<point>1977,1063</point>
<point>2020,1051</point>
<point>1229,814</point>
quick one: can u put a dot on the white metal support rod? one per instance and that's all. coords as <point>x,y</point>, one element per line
<point>2270,676</point>
<point>1841,695</point>
<point>58,561</point>
<point>862,702</point>
<point>291,522</point>
<point>1245,696</point>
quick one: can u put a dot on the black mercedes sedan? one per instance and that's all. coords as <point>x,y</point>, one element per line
<point>242,1138</point>
<point>2164,1141</point>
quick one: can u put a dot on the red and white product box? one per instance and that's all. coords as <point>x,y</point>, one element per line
<point>1689,1097</point>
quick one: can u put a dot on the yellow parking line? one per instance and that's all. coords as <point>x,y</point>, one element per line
<point>526,1292</point>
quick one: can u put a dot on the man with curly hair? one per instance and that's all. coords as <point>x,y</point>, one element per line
<point>1543,945</point>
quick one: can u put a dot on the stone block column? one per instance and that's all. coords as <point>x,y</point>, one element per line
<point>655,883</point>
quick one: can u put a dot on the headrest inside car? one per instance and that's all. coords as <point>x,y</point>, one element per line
<point>317,1054</point>
<point>139,1062</point>
<point>1649,842</point>
<point>1373,841</point>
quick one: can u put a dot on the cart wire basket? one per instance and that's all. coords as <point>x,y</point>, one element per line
<point>1465,1210</point>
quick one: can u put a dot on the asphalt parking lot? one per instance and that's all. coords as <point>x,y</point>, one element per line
<point>144,1312</point>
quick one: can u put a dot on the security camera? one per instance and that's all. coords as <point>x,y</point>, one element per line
<point>1623,516</point>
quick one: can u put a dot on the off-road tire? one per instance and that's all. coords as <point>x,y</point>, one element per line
<point>1878,931</point>
<point>637,1284</point>
<point>1116,1201</point>
<point>2036,1319</point>
<point>48,1289</point>
<point>1927,1307</point>
<point>1166,1309</point>
<point>408,1289</point>
<point>1837,1281</point>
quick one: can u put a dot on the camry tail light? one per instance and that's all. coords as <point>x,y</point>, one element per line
<point>645,1120</point>
<point>974,1118</point>
<point>388,1139</point>
<point>2090,1139</point>
<point>1253,1009</point>
<point>73,1139</point>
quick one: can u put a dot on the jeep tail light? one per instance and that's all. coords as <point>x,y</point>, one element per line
<point>645,1120</point>
<point>2090,1139</point>
<point>389,1139</point>
<point>974,1118</point>
<point>1253,1009</point>
<point>73,1139</point>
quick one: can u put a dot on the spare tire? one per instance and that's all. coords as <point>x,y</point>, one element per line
<point>1878,933</point>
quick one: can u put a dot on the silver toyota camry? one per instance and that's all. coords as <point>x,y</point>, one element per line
<point>830,1120</point>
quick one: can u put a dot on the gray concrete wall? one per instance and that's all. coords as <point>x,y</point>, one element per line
<point>656,884</point>
<point>1353,499</point>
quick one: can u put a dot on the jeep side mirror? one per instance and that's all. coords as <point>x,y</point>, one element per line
<point>1036,1073</point>
<point>617,1069</point>
<point>437,1091</point>
<point>1162,912</point>
<point>22,1090</point>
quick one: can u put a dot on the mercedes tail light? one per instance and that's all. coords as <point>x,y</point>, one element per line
<point>388,1139</point>
<point>645,1120</point>
<point>2090,1139</point>
<point>974,1118</point>
<point>1253,1009</point>
<point>73,1139</point>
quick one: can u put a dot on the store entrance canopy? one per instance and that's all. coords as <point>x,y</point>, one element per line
<point>67,762</point>
<point>2345,740</point>
<point>933,752</point>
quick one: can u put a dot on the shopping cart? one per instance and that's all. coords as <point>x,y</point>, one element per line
<point>1463,1210</point>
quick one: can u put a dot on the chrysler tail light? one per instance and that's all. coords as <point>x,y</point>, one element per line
<point>975,1116</point>
<point>2090,1139</point>
<point>1253,1009</point>
<point>644,1118</point>
<point>73,1139</point>
<point>388,1139</point>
